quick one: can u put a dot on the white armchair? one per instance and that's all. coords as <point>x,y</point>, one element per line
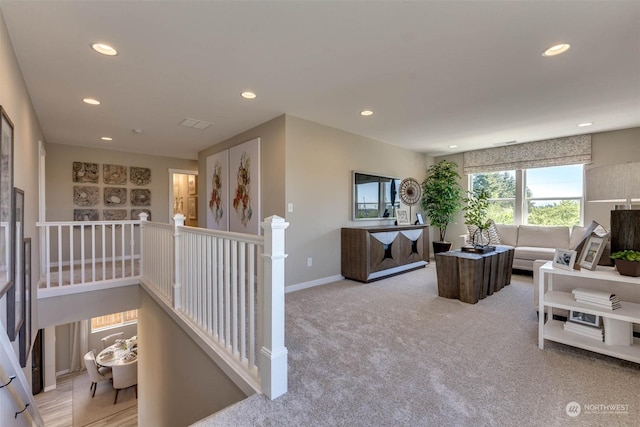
<point>95,374</point>
<point>124,376</point>
<point>111,339</point>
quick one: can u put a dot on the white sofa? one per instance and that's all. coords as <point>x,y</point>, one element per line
<point>537,242</point>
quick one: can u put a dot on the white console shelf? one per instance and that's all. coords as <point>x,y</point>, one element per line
<point>553,329</point>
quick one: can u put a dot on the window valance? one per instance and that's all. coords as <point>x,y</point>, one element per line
<point>550,152</point>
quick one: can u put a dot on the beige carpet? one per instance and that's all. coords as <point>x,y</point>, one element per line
<point>393,353</point>
<point>87,410</point>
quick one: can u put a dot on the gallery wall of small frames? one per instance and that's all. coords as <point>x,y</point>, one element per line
<point>110,192</point>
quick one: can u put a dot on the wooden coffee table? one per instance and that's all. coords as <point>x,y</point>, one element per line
<point>470,277</point>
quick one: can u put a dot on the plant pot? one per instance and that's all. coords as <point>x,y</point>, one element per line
<point>628,268</point>
<point>441,247</point>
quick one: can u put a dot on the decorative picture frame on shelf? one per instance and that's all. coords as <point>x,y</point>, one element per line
<point>15,295</point>
<point>6,203</point>
<point>402,217</point>
<point>564,259</point>
<point>25,331</point>
<point>584,318</point>
<point>592,252</point>
<point>419,219</point>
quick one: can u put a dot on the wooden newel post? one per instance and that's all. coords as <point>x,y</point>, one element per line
<point>178,222</point>
<point>273,354</point>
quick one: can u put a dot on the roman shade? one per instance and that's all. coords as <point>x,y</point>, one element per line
<point>550,152</point>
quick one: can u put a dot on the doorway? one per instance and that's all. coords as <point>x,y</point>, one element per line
<point>183,195</point>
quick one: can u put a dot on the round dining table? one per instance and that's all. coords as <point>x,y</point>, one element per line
<point>116,354</point>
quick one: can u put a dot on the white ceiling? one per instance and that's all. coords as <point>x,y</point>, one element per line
<point>435,74</point>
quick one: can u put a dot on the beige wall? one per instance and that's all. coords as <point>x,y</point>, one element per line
<point>14,98</point>
<point>319,165</point>
<point>607,148</point>
<point>178,383</point>
<point>59,164</point>
<point>272,169</point>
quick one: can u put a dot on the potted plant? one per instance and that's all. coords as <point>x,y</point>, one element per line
<point>627,262</point>
<point>441,199</point>
<point>475,214</point>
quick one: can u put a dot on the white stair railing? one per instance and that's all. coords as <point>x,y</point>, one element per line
<point>88,252</point>
<point>230,286</point>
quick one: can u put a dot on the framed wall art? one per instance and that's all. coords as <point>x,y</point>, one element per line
<point>25,331</point>
<point>217,177</point>
<point>402,217</point>
<point>192,184</point>
<point>139,176</point>
<point>85,172</point>
<point>114,174</point>
<point>244,180</point>
<point>192,208</point>
<point>6,203</point>
<point>15,295</point>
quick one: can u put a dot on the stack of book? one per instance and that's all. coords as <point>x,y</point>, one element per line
<point>584,330</point>
<point>597,298</point>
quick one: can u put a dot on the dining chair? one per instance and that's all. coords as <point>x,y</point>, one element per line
<point>124,376</point>
<point>95,374</point>
<point>111,339</point>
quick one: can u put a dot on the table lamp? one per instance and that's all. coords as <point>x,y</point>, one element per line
<point>618,184</point>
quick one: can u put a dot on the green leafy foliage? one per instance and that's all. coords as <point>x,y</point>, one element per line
<point>476,209</point>
<point>442,195</point>
<point>566,212</point>
<point>628,255</point>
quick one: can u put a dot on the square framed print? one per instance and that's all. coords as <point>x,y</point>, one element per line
<point>402,217</point>
<point>564,259</point>
<point>592,252</point>
<point>6,203</point>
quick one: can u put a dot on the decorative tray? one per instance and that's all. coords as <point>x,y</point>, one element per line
<point>478,249</point>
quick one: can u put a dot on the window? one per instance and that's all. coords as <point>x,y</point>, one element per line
<point>113,320</point>
<point>554,195</point>
<point>502,194</point>
<point>548,196</point>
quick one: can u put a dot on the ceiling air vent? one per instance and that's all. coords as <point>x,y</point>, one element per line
<point>196,124</point>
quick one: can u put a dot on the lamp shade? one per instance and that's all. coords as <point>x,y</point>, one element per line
<point>613,183</point>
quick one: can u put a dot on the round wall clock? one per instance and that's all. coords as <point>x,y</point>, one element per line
<point>410,191</point>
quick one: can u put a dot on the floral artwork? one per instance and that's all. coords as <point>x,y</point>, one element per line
<point>114,196</point>
<point>244,172</point>
<point>217,179</point>
<point>242,198</point>
<point>215,200</point>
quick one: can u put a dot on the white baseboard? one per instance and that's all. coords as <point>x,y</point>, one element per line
<point>50,388</point>
<point>63,372</point>
<point>312,283</point>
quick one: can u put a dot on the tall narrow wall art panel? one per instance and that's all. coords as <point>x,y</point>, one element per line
<point>218,191</point>
<point>244,179</point>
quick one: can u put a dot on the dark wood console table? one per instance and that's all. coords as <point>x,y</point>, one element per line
<point>370,253</point>
<point>470,277</point>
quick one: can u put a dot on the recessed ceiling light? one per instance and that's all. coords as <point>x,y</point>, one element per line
<point>106,138</point>
<point>585,124</point>
<point>137,131</point>
<point>248,95</point>
<point>556,50</point>
<point>104,49</point>
<point>366,113</point>
<point>453,146</point>
<point>91,101</point>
